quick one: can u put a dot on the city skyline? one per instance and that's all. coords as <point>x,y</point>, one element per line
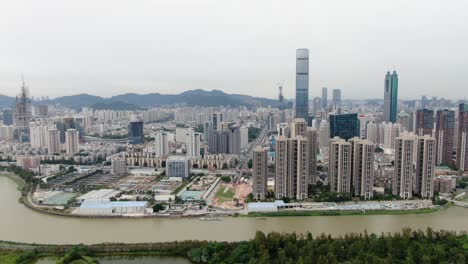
<point>143,48</point>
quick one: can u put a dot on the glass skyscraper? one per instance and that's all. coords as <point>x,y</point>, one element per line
<point>302,83</point>
<point>345,126</point>
<point>391,97</point>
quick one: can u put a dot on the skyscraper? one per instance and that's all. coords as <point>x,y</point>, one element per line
<point>22,113</point>
<point>425,166</point>
<point>424,122</point>
<point>324,98</point>
<point>462,146</point>
<point>291,168</point>
<point>345,126</point>
<point>312,138</point>
<point>336,99</point>
<point>135,132</point>
<point>259,172</point>
<point>444,133</point>
<point>339,165</point>
<point>302,83</point>
<point>71,141</point>
<point>193,144</point>
<point>391,97</point>
<point>403,168</point>
<point>324,134</point>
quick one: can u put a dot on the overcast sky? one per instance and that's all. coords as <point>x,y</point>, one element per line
<point>109,47</point>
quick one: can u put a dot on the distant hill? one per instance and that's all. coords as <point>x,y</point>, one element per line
<point>6,101</point>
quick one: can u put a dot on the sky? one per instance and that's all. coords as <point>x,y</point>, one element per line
<point>110,47</point>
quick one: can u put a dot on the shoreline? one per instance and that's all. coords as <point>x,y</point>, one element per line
<point>24,199</point>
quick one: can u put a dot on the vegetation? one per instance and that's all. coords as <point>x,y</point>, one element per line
<point>462,183</point>
<point>199,129</point>
<point>109,136</point>
<point>253,133</point>
<point>226,178</point>
<point>250,164</point>
<point>158,207</point>
<point>224,195</point>
<point>335,212</point>
<point>78,254</point>
<point>322,193</point>
<point>405,247</point>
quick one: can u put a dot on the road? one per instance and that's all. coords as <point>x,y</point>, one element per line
<point>244,160</point>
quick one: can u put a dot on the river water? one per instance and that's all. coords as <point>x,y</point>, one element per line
<point>21,224</point>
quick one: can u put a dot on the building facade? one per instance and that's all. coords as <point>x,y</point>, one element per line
<point>425,166</point>
<point>302,83</point>
<point>403,167</point>
<point>391,97</point>
<point>424,122</point>
<point>344,126</point>
<point>259,172</point>
<point>462,146</point>
<point>72,141</point>
<point>444,133</point>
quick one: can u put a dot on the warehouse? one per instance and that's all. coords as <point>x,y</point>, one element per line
<point>102,194</point>
<point>102,207</point>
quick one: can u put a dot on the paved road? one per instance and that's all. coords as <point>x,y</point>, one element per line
<point>248,154</point>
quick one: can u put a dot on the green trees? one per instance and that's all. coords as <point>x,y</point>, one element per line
<point>158,207</point>
<point>405,247</point>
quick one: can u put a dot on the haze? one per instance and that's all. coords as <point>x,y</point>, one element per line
<point>112,47</point>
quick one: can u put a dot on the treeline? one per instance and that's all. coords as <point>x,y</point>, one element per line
<point>405,247</point>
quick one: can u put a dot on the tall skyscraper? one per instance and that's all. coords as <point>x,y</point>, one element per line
<point>425,166</point>
<point>312,138</point>
<point>339,165</point>
<point>444,133</point>
<point>424,122</point>
<point>302,83</point>
<point>336,99</point>
<point>324,98</point>
<point>362,173</point>
<point>259,172</point>
<point>22,113</point>
<point>71,141</point>
<point>462,146</point>
<point>344,126</point>
<point>54,141</point>
<point>403,168</point>
<point>161,144</point>
<point>291,168</point>
<point>391,97</point>
<point>135,132</point>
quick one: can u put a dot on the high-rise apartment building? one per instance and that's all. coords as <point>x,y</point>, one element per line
<point>462,146</point>
<point>161,142</point>
<point>119,165</point>
<point>324,134</point>
<point>298,127</point>
<point>344,126</point>
<point>291,163</point>
<point>339,165</point>
<point>424,123</point>
<point>362,172</point>
<point>259,172</point>
<point>302,83</point>
<point>371,132</point>
<point>391,97</point>
<point>324,98</point>
<point>54,141</point>
<point>403,167</point>
<point>425,166</point>
<point>38,135</point>
<point>244,137</point>
<point>312,138</point>
<point>444,133</point>
<point>336,99</point>
<point>193,144</point>
<point>71,141</point>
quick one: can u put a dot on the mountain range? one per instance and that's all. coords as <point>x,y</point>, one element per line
<point>133,101</point>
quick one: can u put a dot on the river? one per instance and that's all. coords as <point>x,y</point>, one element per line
<point>21,224</point>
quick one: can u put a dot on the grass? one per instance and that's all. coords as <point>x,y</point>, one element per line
<point>181,186</point>
<point>7,257</point>
<point>334,212</point>
<point>225,196</point>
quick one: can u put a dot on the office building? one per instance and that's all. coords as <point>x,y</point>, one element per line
<point>391,97</point>
<point>54,141</point>
<point>259,172</point>
<point>312,138</point>
<point>161,142</point>
<point>291,163</point>
<point>362,171</point>
<point>135,132</point>
<point>71,141</point>
<point>444,133</point>
<point>462,146</point>
<point>302,83</point>
<point>425,166</point>
<point>403,167</point>
<point>424,122</point>
<point>339,165</point>
<point>8,117</point>
<point>324,98</point>
<point>324,134</point>
<point>178,167</point>
<point>344,126</point>
<point>336,99</point>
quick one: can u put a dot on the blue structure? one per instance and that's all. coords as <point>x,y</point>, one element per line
<point>135,132</point>
<point>302,83</point>
<point>391,97</point>
<point>8,117</point>
<point>345,126</point>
